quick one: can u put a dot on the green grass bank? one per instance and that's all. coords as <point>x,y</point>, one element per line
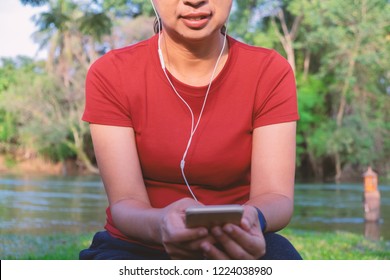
<point>311,245</point>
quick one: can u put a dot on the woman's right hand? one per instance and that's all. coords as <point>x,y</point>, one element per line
<point>179,241</point>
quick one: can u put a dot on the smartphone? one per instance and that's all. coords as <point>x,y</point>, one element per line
<point>213,215</point>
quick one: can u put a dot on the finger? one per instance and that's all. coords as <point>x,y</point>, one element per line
<point>188,250</point>
<point>230,246</point>
<point>242,236</point>
<point>195,245</point>
<point>211,252</point>
<point>180,235</point>
<point>253,244</point>
<point>192,234</point>
<point>250,219</point>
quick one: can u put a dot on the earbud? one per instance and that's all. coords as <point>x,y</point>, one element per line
<point>160,55</point>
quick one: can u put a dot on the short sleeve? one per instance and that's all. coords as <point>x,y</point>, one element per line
<point>276,97</point>
<point>105,100</point>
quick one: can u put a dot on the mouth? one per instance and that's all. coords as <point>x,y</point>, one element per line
<point>196,20</point>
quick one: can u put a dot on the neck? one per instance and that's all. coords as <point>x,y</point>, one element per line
<point>193,63</point>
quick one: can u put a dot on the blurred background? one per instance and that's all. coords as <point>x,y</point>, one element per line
<point>339,50</point>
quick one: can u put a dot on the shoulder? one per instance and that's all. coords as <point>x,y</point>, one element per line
<point>128,55</point>
<point>263,57</point>
<point>131,50</point>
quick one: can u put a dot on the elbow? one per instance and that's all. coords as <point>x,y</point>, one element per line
<point>283,215</point>
<point>288,212</point>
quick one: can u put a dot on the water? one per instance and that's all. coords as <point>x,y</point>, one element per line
<point>327,207</point>
<point>42,205</point>
<point>46,205</point>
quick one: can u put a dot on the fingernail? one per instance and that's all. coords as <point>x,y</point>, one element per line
<point>205,247</point>
<point>202,232</point>
<point>228,229</point>
<point>245,224</point>
<point>217,231</point>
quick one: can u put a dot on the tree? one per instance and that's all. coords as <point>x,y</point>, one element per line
<point>10,71</point>
<point>352,36</point>
<point>47,116</point>
<point>340,51</point>
<point>48,113</point>
<point>70,34</point>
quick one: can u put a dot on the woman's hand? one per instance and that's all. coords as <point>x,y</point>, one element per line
<point>237,242</point>
<point>181,242</point>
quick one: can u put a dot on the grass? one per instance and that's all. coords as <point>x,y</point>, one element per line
<point>337,246</point>
<point>311,245</point>
<point>45,247</point>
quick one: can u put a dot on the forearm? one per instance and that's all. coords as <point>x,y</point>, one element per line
<point>276,208</point>
<point>137,220</point>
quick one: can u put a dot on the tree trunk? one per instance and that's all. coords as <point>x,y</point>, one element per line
<point>317,170</point>
<point>288,36</point>
<point>353,54</point>
<point>78,147</point>
<point>306,64</point>
<point>337,177</point>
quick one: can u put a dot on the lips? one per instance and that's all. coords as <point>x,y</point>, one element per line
<point>196,20</point>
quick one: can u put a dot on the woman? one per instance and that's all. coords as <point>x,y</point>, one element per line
<point>193,117</point>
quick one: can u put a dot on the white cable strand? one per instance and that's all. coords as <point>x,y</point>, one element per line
<point>193,128</point>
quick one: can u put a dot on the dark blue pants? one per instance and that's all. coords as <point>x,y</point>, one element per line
<point>106,247</point>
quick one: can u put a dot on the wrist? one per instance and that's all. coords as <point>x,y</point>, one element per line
<point>262,220</point>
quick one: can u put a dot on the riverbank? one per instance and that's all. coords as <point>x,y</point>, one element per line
<point>311,245</point>
<point>31,164</point>
<point>34,165</point>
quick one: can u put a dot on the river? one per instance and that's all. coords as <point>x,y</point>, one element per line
<point>46,205</point>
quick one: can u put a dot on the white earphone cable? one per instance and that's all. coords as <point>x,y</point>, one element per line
<point>194,126</point>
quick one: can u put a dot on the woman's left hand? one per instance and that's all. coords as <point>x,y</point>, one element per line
<point>237,242</point>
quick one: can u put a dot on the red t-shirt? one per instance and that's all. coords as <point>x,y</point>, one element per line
<point>127,87</point>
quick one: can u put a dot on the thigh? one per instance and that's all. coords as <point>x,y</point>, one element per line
<point>279,248</point>
<point>106,247</point>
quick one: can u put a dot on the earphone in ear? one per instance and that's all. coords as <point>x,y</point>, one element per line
<point>160,55</point>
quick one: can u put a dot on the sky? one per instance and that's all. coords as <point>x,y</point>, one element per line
<point>16,28</point>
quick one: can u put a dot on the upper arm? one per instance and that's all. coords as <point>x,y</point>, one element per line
<point>273,160</point>
<point>118,162</point>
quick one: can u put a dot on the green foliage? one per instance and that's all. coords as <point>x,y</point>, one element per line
<point>10,73</point>
<point>95,24</point>
<point>266,39</point>
<point>311,135</point>
<point>10,69</point>
<point>9,161</point>
<point>311,102</point>
<point>249,24</point>
<point>350,50</point>
<point>43,114</point>
<point>56,19</point>
<point>7,126</point>
<point>128,8</point>
<point>7,75</point>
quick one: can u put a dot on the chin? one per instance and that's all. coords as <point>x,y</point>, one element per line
<point>200,35</point>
